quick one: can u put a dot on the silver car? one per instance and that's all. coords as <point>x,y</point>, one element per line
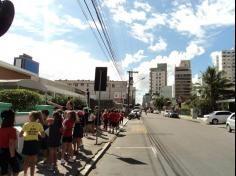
<point>230,123</point>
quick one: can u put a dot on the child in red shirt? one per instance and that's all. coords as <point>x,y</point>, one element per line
<point>67,136</point>
<point>8,141</point>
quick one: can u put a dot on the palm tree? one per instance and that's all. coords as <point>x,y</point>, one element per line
<point>215,87</point>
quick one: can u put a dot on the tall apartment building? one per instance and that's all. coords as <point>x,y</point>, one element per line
<point>158,78</point>
<point>183,80</point>
<point>116,90</point>
<point>226,63</point>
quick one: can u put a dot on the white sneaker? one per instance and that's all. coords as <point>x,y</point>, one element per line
<point>63,161</point>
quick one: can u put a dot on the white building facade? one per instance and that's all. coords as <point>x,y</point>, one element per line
<point>226,63</point>
<point>158,78</point>
<point>116,90</point>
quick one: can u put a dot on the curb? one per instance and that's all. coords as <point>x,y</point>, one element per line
<point>90,165</point>
<point>192,120</point>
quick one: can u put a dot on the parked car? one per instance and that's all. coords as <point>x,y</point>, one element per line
<point>156,112</point>
<point>174,114</point>
<point>166,113</point>
<point>217,117</point>
<point>230,123</point>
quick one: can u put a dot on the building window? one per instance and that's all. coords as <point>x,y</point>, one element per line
<point>113,86</point>
<point>76,84</point>
<point>82,84</point>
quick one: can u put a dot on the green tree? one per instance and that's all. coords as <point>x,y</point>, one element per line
<point>159,102</point>
<point>215,87</point>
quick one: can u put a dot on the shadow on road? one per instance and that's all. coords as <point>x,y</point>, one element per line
<point>128,160</point>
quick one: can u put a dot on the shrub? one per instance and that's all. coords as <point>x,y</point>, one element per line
<point>184,111</point>
<point>21,99</point>
<point>62,100</point>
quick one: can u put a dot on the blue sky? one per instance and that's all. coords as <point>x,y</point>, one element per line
<point>143,33</point>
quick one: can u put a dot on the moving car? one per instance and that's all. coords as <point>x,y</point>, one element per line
<point>230,123</point>
<point>174,114</point>
<point>135,113</point>
<point>217,117</point>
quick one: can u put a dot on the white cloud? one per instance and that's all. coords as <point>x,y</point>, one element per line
<point>58,59</point>
<point>195,79</point>
<point>121,15</point>
<point>208,14</point>
<point>159,46</point>
<point>44,19</point>
<point>155,20</point>
<point>135,58</point>
<point>113,3</point>
<point>75,22</point>
<point>143,6</point>
<point>138,31</point>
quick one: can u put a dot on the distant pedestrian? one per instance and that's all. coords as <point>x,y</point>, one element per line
<point>105,117</point>
<point>30,132</point>
<point>8,143</point>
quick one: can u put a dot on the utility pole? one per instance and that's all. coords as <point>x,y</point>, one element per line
<point>129,84</point>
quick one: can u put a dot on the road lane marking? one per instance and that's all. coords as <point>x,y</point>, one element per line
<point>154,151</point>
<point>133,147</point>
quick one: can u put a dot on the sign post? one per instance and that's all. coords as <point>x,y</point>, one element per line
<point>100,85</point>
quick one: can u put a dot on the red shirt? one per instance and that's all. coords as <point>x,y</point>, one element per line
<point>68,127</point>
<point>106,116</point>
<point>114,117</point>
<point>5,135</point>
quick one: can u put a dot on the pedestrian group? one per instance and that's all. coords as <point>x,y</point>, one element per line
<point>56,136</point>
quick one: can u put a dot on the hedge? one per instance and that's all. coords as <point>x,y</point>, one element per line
<point>62,100</point>
<point>21,99</point>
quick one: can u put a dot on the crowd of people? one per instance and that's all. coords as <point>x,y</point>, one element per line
<point>59,134</point>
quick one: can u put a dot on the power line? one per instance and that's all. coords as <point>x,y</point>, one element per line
<point>95,35</point>
<point>105,33</point>
<point>106,42</point>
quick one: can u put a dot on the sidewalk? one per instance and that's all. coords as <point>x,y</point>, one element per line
<point>84,160</point>
<point>186,117</point>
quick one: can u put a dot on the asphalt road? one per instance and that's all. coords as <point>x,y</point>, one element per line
<point>160,146</point>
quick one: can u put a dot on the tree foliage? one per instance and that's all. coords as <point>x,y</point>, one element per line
<point>159,102</point>
<point>215,87</point>
<point>62,100</point>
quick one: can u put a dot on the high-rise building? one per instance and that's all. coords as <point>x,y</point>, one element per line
<point>146,100</point>
<point>26,62</point>
<point>183,80</point>
<point>166,92</point>
<point>158,78</point>
<point>226,63</point>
